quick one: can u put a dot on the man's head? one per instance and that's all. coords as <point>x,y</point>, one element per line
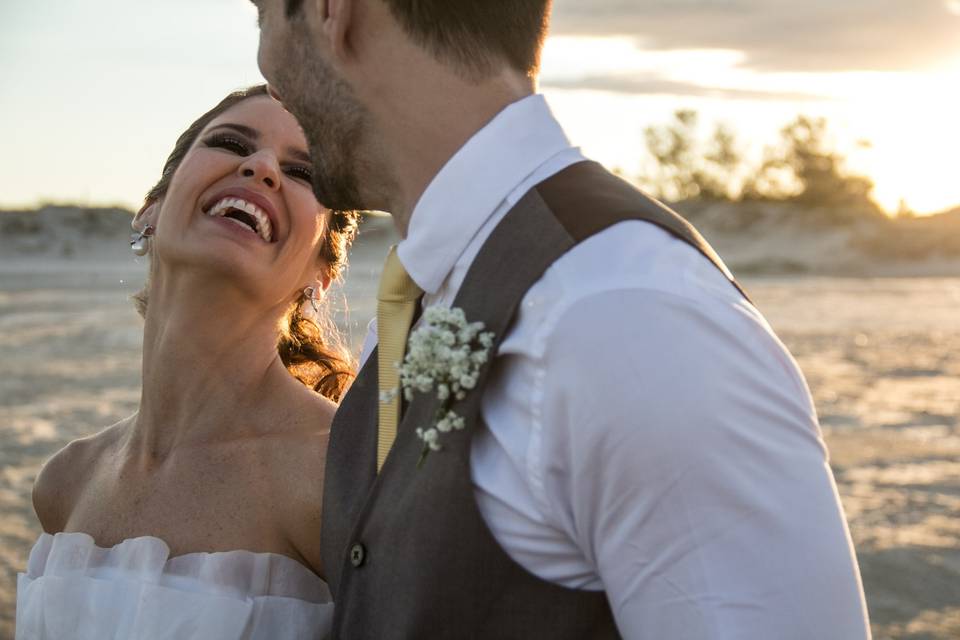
<point>322,102</point>
<point>333,62</point>
<point>475,36</point>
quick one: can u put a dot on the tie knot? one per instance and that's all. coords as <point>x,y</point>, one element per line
<point>396,285</point>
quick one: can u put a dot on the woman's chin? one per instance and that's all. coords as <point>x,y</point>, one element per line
<point>226,261</point>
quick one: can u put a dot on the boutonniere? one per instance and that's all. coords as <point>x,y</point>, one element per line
<point>444,355</point>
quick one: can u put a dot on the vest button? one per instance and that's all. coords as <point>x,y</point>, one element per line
<point>357,554</point>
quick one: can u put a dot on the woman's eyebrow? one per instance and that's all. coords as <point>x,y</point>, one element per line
<point>253,134</point>
<point>299,154</point>
<point>250,132</point>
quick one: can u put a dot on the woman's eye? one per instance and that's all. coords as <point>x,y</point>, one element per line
<point>300,171</point>
<point>228,142</point>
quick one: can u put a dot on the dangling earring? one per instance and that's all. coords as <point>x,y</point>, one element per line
<point>140,241</point>
<point>310,293</point>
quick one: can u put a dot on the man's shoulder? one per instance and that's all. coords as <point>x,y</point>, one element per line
<point>595,208</point>
<point>643,258</point>
<point>622,281</point>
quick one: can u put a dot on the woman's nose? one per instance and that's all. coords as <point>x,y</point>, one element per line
<point>262,167</point>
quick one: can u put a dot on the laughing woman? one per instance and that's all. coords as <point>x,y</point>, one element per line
<point>199,516</point>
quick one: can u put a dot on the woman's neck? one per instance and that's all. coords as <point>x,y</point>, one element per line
<point>210,365</point>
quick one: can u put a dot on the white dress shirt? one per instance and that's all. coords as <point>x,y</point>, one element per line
<point>648,434</point>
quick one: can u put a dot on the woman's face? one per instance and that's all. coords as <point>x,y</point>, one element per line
<point>241,205</point>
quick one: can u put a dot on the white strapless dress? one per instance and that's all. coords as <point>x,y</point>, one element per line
<point>75,589</point>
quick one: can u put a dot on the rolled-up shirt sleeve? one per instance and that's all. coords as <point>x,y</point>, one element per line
<point>680,451</point>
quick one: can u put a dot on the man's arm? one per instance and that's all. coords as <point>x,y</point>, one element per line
<point>681,452</point>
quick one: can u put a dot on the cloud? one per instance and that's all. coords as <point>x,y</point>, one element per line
<point>781,35</point>
<point>652,84</point>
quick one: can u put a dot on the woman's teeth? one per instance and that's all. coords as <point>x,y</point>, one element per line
<point>227,205</point>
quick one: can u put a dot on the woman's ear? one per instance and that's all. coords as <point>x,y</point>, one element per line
<point>324,280</point>
<point>147,215</point>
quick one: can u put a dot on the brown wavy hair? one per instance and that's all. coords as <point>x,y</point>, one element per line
<point>311,348</point>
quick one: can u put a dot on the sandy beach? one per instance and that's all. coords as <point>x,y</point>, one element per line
<point>881,355</point>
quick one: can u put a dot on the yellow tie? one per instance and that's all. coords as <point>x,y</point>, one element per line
<point>396,303</point>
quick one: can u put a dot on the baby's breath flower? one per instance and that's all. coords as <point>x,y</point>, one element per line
<point>445,355</point>
<point>444,425</point>
<point>429,437</point>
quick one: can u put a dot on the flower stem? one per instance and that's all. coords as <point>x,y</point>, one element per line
<point>423,455</point>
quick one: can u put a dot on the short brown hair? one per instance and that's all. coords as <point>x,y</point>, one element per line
<point>310,348</point>
<point>473,35</point>
<point>476,35</point>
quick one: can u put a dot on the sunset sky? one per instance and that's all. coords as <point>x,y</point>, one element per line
<point>94,92</point>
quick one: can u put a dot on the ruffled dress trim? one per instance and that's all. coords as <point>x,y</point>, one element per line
<point>74,589</point>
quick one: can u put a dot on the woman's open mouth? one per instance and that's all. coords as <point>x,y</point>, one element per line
<point>245,214</point>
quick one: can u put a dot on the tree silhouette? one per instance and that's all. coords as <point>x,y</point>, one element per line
<point>673,146</point>
<point>802,168</point>
<point>805,169</point>
<point>687,171</point>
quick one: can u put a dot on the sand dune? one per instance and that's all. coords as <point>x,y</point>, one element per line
<point>755,238</point>
<point>766,238</point>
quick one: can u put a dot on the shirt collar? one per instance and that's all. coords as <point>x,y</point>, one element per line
<point>473,183</point>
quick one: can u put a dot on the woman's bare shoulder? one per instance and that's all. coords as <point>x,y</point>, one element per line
<point>63,477</point>
<point>302,446</point>
<point>299,465</point>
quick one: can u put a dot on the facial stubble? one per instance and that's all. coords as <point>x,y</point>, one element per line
<point>334,123</point>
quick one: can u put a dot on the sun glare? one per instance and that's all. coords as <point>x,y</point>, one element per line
<point>909,118</point>
<point>577,57</point>
<point>915,135</point>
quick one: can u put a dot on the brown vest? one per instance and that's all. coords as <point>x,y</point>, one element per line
<point>406,552</point>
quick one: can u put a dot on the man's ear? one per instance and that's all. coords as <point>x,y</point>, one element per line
<point>337,17</point>
<point>147,215</point>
